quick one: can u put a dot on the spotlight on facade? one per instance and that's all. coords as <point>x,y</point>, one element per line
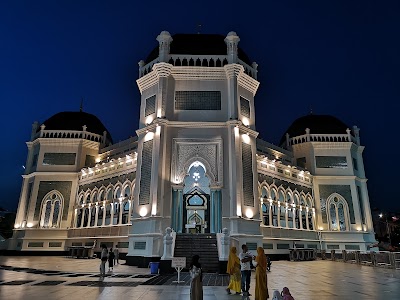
<point>320,228</point>
<point>29,225</point>
<point>143,211</point>
<point>249,213</point>
<point>380,215</point>
<point>358,228</point>
<point>17,226</point>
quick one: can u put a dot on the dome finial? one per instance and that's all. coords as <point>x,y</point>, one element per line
<point>198,28</point>
<point>311,112</point>
<point>81,107</point>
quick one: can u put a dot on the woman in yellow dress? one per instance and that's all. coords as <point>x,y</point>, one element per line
<point>233,270</point>
<point>261,291</point>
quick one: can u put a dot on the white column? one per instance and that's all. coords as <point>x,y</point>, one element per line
<point>121,206</point>
<point>104,213</point>
<point>112,213</point>
<point>130,210</point>
<point>279,214</point>
<point>287,215</point>
<point>294,217</point>
<point>89,216</point>
<point>308,228</point>
<point>301,217</point>
<point>270,213</point>
<point>96,217</point>
<point>83,216</point>
<point>75,218</point>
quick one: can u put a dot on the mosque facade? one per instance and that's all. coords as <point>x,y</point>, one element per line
<point>196,165</point>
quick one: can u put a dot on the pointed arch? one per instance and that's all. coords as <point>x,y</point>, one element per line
<point>51,209</point>
<point>338,213</point>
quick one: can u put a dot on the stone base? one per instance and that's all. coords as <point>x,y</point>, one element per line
<point>222,265</point>
<point>140,261</point>
<point>165,267</point>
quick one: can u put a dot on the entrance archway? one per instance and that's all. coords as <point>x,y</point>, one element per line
<point>196,198</point>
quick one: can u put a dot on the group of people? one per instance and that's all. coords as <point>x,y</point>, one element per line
<point>112,256</point>
<point>239,268</point>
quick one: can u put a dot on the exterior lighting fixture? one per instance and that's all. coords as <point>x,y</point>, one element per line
<point>249,213</point>
<point>143,211</point>
<point>29,225</point>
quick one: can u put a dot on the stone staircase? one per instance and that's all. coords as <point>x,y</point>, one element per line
<point>204,245</point>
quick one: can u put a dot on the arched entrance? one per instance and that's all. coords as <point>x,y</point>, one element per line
<point>196,199</point>
<point>196,207</point>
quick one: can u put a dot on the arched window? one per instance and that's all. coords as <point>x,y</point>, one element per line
<point>94,197</point>
<point>125,212</point>
<point>100,216</point>
<point>338,214</point>
<point>117,193</point>
<point>127,192</point>
<point>109,194</point>
<point>92,216</point>
<point>108,214</point>
<point>116,213</point>
<point>51,210</point>
<point>265,207</point>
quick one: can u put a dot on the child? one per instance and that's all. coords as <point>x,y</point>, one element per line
<point>276,295</point>
<point>286,294</point>
<point>268,264</point>
<point>110,260</point>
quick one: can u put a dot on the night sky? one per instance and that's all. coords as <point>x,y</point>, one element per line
<point>334,57</point>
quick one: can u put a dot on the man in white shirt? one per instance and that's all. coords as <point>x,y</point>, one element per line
<point>245,258</point>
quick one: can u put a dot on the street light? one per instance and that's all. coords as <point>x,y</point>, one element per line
<point>387,227</point>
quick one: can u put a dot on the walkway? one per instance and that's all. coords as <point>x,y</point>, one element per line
<point>66,278</point>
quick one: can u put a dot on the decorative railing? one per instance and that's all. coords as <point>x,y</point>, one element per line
<point>321,138</point>
<point>198,61</point>
<point>69,134</point>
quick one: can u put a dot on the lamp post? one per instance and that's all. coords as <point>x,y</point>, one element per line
<point>381,215</point>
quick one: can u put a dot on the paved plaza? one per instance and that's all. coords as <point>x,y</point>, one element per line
<point>67,278</point>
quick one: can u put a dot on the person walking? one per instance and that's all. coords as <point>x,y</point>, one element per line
<point>116,255</point>
<point>261,291</point>
<point>196,284</point>
<point>103,259</point>
<point>245,258</point>
<point>233,269</point>
<point>111,260</point>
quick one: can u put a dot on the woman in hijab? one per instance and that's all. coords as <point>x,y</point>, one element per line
<point>196,285</point>
<point>261,291</point>
<point>233,269</point>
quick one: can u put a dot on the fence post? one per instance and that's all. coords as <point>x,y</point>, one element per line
<point>323,254</point>
<point>392,260</point>
<point>358,260</point>
<point>344,255</point>
<point>333,258</point>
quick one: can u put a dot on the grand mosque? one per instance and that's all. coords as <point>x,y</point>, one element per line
<point>196,165</point>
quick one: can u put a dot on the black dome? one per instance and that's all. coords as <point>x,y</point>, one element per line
<point>198,44</point>
<point>71,120</point>
<point>318,124</point>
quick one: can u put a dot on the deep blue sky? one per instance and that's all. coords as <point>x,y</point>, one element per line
<point>338,57</point>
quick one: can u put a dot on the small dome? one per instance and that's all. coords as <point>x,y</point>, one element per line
<point>318,124</point>
<point>71,120</point>
<point>198,44</point>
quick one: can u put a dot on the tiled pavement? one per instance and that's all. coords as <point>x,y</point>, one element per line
<point>66,278</point>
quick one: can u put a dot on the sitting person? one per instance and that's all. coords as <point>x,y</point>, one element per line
<point>276,295</point>
<point>286,294</point>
